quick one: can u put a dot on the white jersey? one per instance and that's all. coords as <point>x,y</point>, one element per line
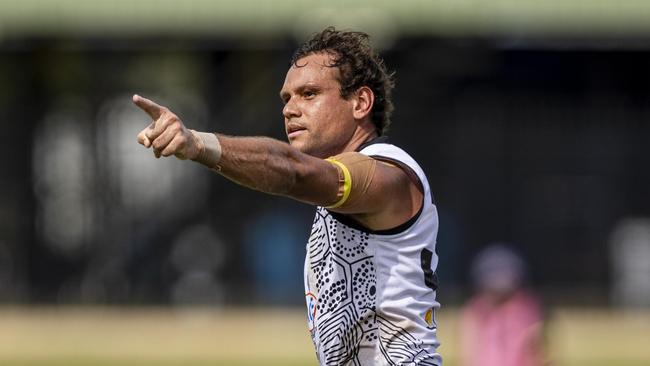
<point>371,295</point>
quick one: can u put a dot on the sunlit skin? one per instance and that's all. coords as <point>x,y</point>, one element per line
<point>318,120</point>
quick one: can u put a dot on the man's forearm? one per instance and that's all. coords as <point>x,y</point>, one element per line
<point>259,163</point>
<point>274,167</point>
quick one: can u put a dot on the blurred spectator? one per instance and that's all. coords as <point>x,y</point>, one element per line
<point>501,324</point>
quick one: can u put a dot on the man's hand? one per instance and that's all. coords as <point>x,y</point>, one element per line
<point>167,134</point>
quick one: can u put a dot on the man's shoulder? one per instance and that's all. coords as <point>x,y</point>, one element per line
<point>392,153</point>
<point>384,149</point>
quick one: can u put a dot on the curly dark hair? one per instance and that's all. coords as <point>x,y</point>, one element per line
<point>359,65</point>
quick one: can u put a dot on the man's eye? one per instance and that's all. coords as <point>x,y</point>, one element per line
<point>309,94</point>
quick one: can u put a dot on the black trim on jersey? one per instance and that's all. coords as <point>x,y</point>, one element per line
<point>350,222</point>
<point>376,140</point>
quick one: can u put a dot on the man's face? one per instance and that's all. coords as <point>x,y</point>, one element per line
<point>317,119</point>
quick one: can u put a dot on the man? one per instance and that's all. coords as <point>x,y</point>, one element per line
<point>370,284</point>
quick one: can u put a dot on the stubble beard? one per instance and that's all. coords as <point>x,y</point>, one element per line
<point>315,150</point>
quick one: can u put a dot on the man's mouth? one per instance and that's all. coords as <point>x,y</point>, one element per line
<point>294,130</point>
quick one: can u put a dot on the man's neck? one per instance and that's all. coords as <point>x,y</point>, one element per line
<point>364,133</point>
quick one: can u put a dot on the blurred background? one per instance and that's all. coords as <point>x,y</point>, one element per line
<point>530,118</point>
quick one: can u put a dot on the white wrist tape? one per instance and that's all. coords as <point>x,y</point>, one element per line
<point>209,149</point>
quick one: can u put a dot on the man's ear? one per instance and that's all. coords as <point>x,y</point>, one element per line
<point>364,100</point>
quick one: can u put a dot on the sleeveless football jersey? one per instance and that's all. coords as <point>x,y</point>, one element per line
<point>371,295</point>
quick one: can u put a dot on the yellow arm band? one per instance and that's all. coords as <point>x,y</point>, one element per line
<point>345,179</point>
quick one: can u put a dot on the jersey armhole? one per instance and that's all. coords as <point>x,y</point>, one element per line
<point>413,177</point>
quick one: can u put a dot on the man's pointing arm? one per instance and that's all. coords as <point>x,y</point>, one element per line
<point>260,163</point>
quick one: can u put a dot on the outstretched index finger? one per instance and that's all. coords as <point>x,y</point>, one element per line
<point>151,108</point>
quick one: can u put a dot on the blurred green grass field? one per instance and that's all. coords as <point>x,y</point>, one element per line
<point>65,336</point>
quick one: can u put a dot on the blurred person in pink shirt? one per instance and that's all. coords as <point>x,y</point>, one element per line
<point>501,325</point>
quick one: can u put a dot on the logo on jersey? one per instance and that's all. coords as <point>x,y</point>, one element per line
<point>311,309</point>
<point>429,318</point>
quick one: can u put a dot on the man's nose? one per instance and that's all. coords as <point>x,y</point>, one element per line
<point>290,110</point>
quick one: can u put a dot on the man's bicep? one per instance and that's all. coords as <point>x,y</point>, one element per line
<point>372,184</point>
